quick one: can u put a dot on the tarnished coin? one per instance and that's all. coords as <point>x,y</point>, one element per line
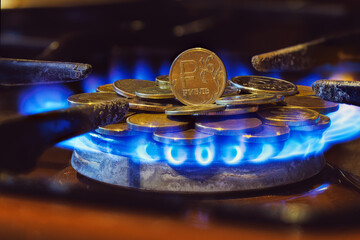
<point>163,81</point>
<point>248,99</point>
<point>305,91</point>
<point>187,137</point>
<point>146,122</point>
<point>312,102</point>
<point>117,129</point>
<point>229,126</point>
<point>267,134</point>
<point>107,88</point>
<point>137,104</point>
<point>92,98</point>
<point>194,110</point>
<point>234,111</point>
<point>128,87</point>
<point>288,116</point>
<point>322,124</point>
<point>230,91</point>
<point>197,76</point>
<point>154,93</point>
<point>261,84</point>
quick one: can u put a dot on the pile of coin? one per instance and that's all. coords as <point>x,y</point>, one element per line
<point>196,102</point>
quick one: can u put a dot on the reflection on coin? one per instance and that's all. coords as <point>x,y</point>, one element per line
<point>92,98</point>
<point>312,102</point>
<point>246,99</point>
<point>229,126</point>
<point>137,104</point>
<point>288,116</point>
<point>146,122</point>
<point>267,134</point>
<point>108,88</point>
<point>305,91</point>
<point>197,76</point>
<point>261,84</point>
<point>118,129</point>
<point>154,93</point>
<point>194,110</point>
<point>230,91</point>
<point>322,124</point>
<point>163,81</point>
<point>190,136</point>
<point>234,111</point>
<point>127,87</point>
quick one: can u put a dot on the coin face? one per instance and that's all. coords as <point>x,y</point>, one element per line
<point>229,126</point>
<point>267,134</point>
<point>194,110</point>
<point>92,98</point>
<point>246,99</point>
<point>305,91</point>
<point>118,129</point>
<point>187,137</point>
<point>154,93</point>
<point>261,84</point>
<point>137,104</point>
<point>163,81</point>
<point>197,76</point>
<point>288,116</point>
<point>146,122</point>
<point>312,102</point>
<point>234,111</point>
<point>321,125</point>
<point>107,88</point>
<point>128,87</point>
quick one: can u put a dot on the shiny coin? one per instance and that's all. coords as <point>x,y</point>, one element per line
<point>305,91</point>
<point>163,81</point>
<point>248,99</point>
<point>154,93</point>
<point>230,126</point>
<point>194,110</point>
<point>187,137</point>
<point>267,134</point>
<point>230,91</point>
<point>107,88</point>
<point>92,98</point>
<point>322,124</point>
<point>118,129</point>
<point>137,104</point>
<point>197,76</point>
<point>312,102</point>
<point>234,111</point>
<point>261,84</point>
<point>146,122</point>
<point>128,87</point>
<point>288,116</point>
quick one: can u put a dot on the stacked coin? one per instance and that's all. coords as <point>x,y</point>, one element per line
<point>196,102</point>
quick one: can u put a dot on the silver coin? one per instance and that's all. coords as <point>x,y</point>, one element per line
<point>267,134</point>
<point>261,84</point>
<point>128,87</point>
<point>154,93</point>
<point>163,81</point>
<point>187,137</point>
<point>194,110</point>
<point>248,99</point>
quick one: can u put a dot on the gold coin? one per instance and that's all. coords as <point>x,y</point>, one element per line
<point>194,110</point>
<point>163,81</point>
<point>107,88</point>
<point>117,129</point>
<point>288,116</point>
<point>197,76</point>
<point>267,134</point>
<point>92,98</point>
<point>136,104</point>
<point>248,99</point>
<point>312,102</point>
<point>146,122</point>
<point>322,124</point>
<point>305,91</point>
<point>229,126</point>
<point>234,111</point>
<point>187,137</point>
<point>154,93</point>
<point>127,87</point>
